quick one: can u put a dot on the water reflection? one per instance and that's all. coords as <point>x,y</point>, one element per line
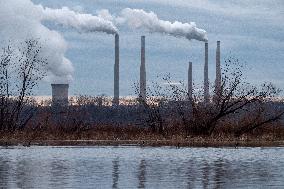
<point>115,173</point>
<point>132,167</point>
<point>219,172</point>
<point>59,172</point>
<point>190,174</point>
<point>205,173</point>
<point>142,174</point>
<point>4,172</point>
<point>24,174</point>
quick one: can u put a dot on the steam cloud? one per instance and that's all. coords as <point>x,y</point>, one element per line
<point>22,19</point>
<point>138,18</point>
<point>81,22</point>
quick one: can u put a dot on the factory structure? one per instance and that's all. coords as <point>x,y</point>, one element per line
<point>60,91</point>
<point>59,95</point>
<point>116,71</point>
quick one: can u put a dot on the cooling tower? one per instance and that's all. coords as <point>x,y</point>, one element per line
<point>116,72</point>
<point>59,95</point>
<point>218,70</point>
<point>189,80</point>
<point>143,70</point>
<point>206,77</point>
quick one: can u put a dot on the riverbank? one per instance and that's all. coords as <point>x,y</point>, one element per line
<point>150,143</point>
<point>138,136</point>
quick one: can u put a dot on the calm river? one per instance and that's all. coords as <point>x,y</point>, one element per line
<point>136,167</point>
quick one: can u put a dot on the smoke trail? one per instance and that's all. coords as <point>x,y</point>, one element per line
<point>22,19</point>
<point>138,18</point>
<point>81,22</point>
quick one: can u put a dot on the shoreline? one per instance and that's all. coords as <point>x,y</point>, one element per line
<point>143,143</point>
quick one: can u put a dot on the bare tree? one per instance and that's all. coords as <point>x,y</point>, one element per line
<point>21,69</point>
<point>151,107</point>
<point>238,98</point>
<point>235,102</point>
<point>6,57</point>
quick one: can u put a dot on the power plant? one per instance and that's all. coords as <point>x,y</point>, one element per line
<point>60,91</point>
<point>60,95</point>
<point>206,77</point>
<point>142,93</point>
<point>218,82</point>
<point>190,88</point>
<point>116,72</point>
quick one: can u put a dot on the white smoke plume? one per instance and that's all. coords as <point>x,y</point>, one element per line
<point>79,21</point>
<point>138,18</point>
<point>22,19</point>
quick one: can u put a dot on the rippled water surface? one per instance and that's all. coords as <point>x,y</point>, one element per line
<point>135,167</point>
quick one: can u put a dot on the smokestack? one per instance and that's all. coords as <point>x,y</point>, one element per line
<point>190,80</point>
<point>218,70</point>
<point>116,72</point>
<point>143,70</point>
<point>60,95</point>
<point>206,78</point>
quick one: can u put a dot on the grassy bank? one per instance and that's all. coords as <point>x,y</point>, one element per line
<point>145,143</point>
<point>130,135</point>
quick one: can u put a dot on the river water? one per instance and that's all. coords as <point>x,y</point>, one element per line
<point>141,167</point>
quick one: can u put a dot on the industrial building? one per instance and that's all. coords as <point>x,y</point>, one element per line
<point>60,91</point>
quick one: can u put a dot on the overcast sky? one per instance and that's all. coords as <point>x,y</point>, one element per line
<point>251,30</point>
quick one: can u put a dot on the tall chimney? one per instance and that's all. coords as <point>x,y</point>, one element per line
<point>143,70</point>
<point>59,95</point>
<point>218,70</point>
<point>190,80</point>
<point>116,72</point>
<point>206,78</point>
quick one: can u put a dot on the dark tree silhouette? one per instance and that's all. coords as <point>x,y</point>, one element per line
<point>21,68</point>
<point>238,103</point>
